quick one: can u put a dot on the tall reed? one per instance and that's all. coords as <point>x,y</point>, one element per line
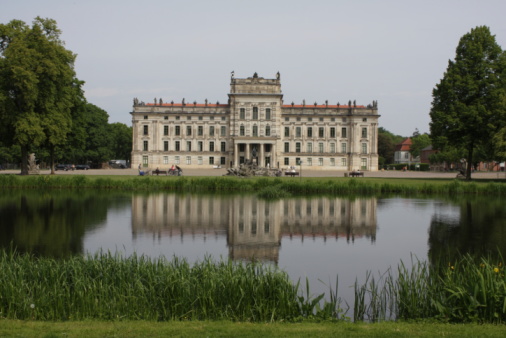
<point>107,286</point>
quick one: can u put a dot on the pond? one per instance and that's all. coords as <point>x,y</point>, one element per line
<point>316,237</point>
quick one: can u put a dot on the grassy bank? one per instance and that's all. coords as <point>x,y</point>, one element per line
<point>110,287</point>
<point>264,186</point>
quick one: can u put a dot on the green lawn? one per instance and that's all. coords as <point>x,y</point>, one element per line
<point>15,328</point>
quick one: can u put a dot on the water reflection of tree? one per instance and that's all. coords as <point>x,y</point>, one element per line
<point>480,230</point>
<point>51,223</point>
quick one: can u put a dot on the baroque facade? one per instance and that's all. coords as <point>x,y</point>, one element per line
<point>255,126</point>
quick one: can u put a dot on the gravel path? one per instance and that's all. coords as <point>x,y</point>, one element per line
<point>305,173</point>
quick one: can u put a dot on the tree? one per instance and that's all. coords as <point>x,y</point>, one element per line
<point>121,141</point>
<point>37,86</point>
<point>468,107</point>
<point>419,142</point>
<point>386,145</point>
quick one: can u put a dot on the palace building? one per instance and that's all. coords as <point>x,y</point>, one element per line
<point>255,125</point>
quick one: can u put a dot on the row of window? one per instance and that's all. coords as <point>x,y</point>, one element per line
<point>223,147</point>
<point>321,147</point>
<point>254,115</point>
<point>178,146</point>
<point>187,159</point>
<point>189,117</point>
<point>321,132</point>
<point>189,130</point>
<point>309,162</point>
<point>242,131</point>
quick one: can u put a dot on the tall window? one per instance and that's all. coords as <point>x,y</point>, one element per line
<point>241,131</point>
<point>145,160</point>
<point>146,130</point>
<point>363,163</point>
<point>297,147</point>
<point>268,113</point>
<point>364,148</point>
<point>200,146</point>
<point>223,146</point>
<point>255,130</point>
<point>309,161</point>
<point>287,161</point>
<point>165,130</point>
<point>145,146</point>
<point>211,146</point>
<point>320,147</point>
<point>320,161</point>
<point>188,131</point>
<point>287,147</point>
<point>188,145</point>
<point>165,145</point>
<point>177,146</point>
<point>297,132</point>
<point>166,160</point>
<point>321,132</point>
<point>343,147</point>
<point>309,147</point>
<point>211,131</point>
<point>309,132</point>
<point>176,159</point>
<point>199,160</point>
<point>223,131</point>
<point>332,148</point>
<point>343,132</point>
<point>200,130</point>
<point>178,130</point>
<point>332,132</point>
<point>343,162</point>
<point>211,160</point>
<point>287,131</point>
<point>268,131</point>
<point>332,162</point>
<point>255,113</point>
<point>364,132</point>
<point>242,114</point>
<point>188,160</point>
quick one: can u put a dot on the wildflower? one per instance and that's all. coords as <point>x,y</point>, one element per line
<point>32,306</point>
<point>452,267</point>
<point>496,270</point>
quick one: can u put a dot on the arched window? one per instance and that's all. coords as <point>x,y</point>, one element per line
<point>255,113</point>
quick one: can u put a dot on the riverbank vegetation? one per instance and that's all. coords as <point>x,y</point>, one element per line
<point>112,287</point>
<point>268,187</point>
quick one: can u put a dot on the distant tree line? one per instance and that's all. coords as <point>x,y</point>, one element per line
<point>42,105</point>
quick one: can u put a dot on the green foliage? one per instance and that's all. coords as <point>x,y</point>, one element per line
<point>468,106</point>
<point>36,85</point>
<point>386,145</point>
<point>420,142</point>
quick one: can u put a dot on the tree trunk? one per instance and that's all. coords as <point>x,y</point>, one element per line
<point>51,157</point>
<point>469,163</point>
<point>24,160</point>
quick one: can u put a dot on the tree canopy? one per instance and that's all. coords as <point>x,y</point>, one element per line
<point>37,86</point>
<point>468,107</point>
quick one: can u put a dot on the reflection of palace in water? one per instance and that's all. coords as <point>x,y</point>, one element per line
<point>254,227</point>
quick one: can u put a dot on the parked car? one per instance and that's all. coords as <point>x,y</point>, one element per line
<point>82,167</point>
<point>63,167</point>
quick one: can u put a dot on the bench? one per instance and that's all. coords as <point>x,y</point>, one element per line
<point>356,173</point>
<point>159,172</point>
<point>291,173</point>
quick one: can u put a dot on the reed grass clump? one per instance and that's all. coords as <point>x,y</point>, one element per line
<point>467,290</point>
<point>106,286</point>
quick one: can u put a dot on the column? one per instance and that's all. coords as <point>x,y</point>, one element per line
<point>247,155</point>
<point>236,155</point>
<point>261,157</point>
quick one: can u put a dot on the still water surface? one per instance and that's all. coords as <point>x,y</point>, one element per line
<point>318,238</point>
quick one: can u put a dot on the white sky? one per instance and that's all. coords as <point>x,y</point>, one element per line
<point>393,51</point>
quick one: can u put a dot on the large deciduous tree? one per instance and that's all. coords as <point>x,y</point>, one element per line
<point>37,86</point>
<point>468,107</point>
